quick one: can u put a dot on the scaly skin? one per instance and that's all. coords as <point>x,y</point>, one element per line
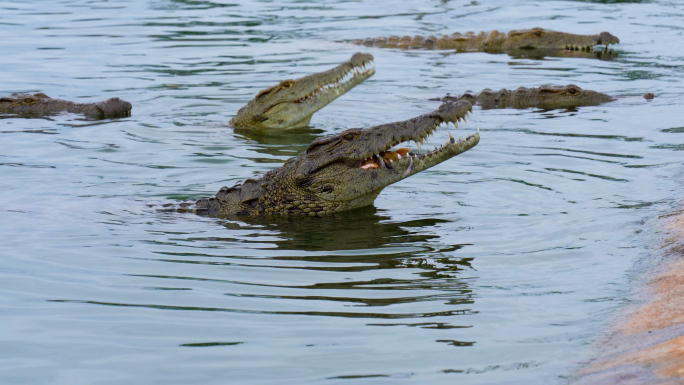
<point>343,171</point>
<point>292,102</point>
<point>41,104</point>
<point>545,97</point>
<point>495,41</point>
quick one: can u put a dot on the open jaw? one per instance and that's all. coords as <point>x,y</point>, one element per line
<point>371,159</point>
<point>404,157</point>
<point>292,102</point>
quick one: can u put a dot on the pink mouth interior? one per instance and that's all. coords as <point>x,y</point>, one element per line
<point>387,156</point>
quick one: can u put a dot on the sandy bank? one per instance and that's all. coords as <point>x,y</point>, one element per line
<point>646,346</point>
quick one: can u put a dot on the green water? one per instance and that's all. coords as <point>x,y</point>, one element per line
<point>500,266</point>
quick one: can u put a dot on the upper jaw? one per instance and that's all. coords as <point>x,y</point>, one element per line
<point>371,142</point>
<point>295,104</point>
<point>416,130</point>
<point>333,83</point>
<point>389,166</point>
<point>368,168</point>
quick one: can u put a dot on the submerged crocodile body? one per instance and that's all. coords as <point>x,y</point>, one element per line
<point>344,171</point>
<point>545,97</point>
<point>292,102</point>
<point>41,104</point>
<point>496,42</point>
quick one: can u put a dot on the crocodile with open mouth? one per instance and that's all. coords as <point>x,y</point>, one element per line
<point>41,104</point>
<point>495,41</point>
<point>292,102</point>
<point>546,97</point>
<point>343,171</point>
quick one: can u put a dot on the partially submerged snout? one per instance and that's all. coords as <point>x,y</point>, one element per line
<point>112,107</point>
<point>292,102</point>
<point>569,96</point>
<point>41,104</point>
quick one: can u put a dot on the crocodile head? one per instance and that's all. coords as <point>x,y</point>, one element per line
<point>539,38</point>
<point>41,104</point>
<point>552,97</point>
<point>343,171</point>
<point>292,102</point>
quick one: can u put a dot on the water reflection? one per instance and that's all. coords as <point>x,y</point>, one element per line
<point>353,262</point>
<point>279,143</point>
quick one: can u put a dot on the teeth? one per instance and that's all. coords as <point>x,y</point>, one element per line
<point>451,138</point>
<point>367,66</point>
<point>419,144</point>
<point>410,166</point>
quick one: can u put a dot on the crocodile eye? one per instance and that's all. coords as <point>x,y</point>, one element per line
<point>350,136</point>
<point>573,91</point>
<point>287,83</point>
<point>538,33</point>
<point>30,101</point>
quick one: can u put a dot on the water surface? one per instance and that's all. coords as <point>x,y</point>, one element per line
<point>499,266</point>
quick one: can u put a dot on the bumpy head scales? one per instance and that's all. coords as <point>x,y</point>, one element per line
<point>551,97</point>
<point>20,102</point>
<point>292,102</point>
<point>539,38</point>
<point>113,107</point>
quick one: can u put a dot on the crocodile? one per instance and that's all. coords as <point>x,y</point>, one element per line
<point>546,97</point>
<point>495,41</point>
<point>292,102</point>
<point>343,171</point>
<point>41,104</point>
